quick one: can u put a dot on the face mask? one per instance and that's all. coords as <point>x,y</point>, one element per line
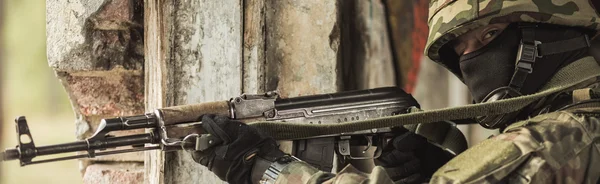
<point>491,66</point>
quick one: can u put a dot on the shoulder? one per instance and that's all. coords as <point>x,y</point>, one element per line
<point>543,148</point>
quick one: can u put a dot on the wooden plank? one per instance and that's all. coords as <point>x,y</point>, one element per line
<point>254,47</point>
<point>367,55</point>
<point>206,66</point>
<point>302,42</point>
<point>157,49</point>
<point>196,58</point>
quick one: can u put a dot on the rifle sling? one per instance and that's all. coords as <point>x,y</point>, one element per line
<point>577,72</point>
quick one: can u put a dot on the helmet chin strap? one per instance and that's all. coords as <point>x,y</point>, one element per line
<point>529,50</point>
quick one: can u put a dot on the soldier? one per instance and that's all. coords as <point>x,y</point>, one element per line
<point>500,50</point>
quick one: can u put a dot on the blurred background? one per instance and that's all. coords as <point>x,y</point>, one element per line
<point>30,89</point>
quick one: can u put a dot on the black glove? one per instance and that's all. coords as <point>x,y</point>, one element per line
<point>410,158</point>
<point>233,160</point>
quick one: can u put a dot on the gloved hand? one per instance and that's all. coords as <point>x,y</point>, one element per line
<point>233,160</point>
<point>410,158</point>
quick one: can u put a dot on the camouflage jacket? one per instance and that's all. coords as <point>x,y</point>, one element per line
<point>557,147</point>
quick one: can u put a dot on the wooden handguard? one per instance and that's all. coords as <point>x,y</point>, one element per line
<point>193,113</point>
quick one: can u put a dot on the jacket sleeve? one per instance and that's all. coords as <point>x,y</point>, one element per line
<point>301,172</point>
<point>559,147</point>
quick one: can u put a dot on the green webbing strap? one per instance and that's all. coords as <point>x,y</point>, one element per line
<point>577,72</point>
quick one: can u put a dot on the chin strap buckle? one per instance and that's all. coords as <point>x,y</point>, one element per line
<point>527,54</point>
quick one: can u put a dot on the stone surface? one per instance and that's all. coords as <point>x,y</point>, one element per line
<point>65,22</point>
<point>124,157</point>
<point>85,35</point>
<point>122,173</point>
<point>96,50</point>
<point>103,94</point>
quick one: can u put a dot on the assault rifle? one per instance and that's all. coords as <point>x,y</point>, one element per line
<point>179,127</point>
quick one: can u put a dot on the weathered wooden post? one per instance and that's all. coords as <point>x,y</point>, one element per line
<point>193,55</point>
<point>198,51</point>
<point>201,51</point>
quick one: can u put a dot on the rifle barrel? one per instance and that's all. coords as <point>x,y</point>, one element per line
<point>9,154</point>
<point>90,145</point>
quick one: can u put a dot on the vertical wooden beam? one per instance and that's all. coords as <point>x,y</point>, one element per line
<point>254,46</point>
<point>157,52</point>
<point>194,55</point>
<point>302,41</point>
<point>367,54</point>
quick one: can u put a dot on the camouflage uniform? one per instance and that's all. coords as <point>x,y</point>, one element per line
<point>557,147</point>
<point>301,172</point>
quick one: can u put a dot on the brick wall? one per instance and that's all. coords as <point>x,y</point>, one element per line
<point>96,49</point>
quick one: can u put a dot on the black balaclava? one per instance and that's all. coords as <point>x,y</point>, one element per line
<point>492,66</point>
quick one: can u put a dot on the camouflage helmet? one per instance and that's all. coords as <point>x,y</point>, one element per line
<point>449,19</point>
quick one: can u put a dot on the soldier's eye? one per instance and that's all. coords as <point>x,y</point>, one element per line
<point>490,34</point>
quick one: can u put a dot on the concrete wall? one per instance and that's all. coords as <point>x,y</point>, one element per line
<point>95,48</point>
